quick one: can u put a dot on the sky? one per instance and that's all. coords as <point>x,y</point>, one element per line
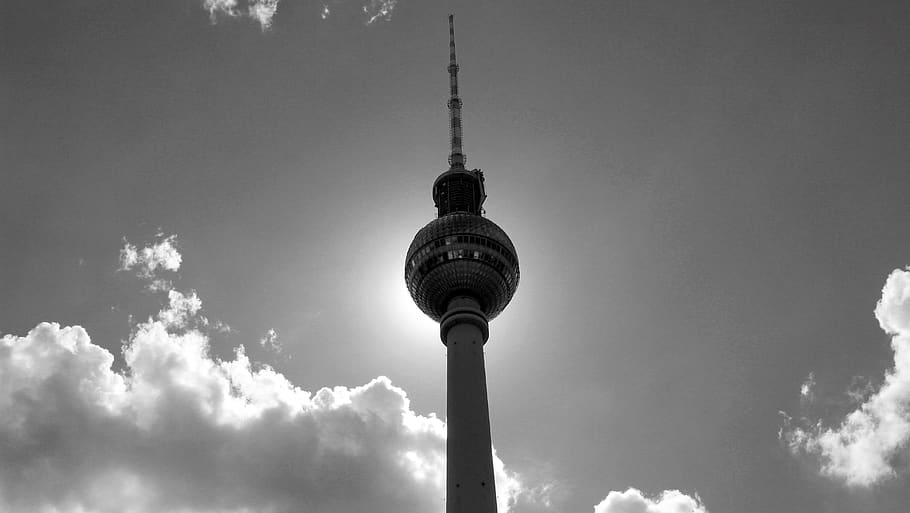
<point>206,206</point>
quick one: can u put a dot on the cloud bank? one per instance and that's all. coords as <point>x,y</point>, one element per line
<point>871,443</point>
<point>182,431</point>
<point>178,430</point>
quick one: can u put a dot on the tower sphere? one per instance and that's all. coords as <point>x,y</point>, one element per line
<point>461,254</point>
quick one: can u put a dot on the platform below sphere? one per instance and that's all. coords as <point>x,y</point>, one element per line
<point>461,254</point>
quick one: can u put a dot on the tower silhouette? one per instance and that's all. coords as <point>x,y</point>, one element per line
<point>462,271</point>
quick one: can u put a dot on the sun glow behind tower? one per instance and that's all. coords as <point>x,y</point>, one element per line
<point>462,270</point>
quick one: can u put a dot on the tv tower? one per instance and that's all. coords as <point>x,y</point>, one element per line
<point>462,271</point>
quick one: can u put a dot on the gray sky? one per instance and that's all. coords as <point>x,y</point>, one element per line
<point>707,199</point>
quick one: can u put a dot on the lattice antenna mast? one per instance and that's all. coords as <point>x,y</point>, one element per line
<point>456,157</point>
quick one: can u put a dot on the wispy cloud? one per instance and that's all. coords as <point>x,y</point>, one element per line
<point>807,389</point>
<point>632,501</point>
<point>264,11</point>
<point>270,341</point>
<point>379,10</point>
<point>867,445</point>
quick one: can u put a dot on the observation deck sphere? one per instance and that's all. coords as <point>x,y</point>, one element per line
<point>461,254</point>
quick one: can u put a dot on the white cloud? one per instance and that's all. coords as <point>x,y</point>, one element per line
<point>149,262</point>
<point>893,309</point>
<point>262,11</point>
<point>866,446</point>
<point>179,430</point>
<point>181,308</point>
<point>228,7</point>
<point>270,341</point>
<point>807,389</point>
<point>379,10</point>
<point>632,501</point>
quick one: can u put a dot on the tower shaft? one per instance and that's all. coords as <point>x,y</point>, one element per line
<point>470,484</point>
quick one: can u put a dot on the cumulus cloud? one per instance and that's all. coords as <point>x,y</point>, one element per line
<point>180,430</point>
<point>181,309</point>
<point>183,431</point>
<point>632,501</point>
<point>162,254</point>
<point>870,444</point>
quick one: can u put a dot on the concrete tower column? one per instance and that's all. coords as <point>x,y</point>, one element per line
<point>470,486</point>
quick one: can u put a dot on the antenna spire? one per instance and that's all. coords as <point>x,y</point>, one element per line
<point>456,157</point>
